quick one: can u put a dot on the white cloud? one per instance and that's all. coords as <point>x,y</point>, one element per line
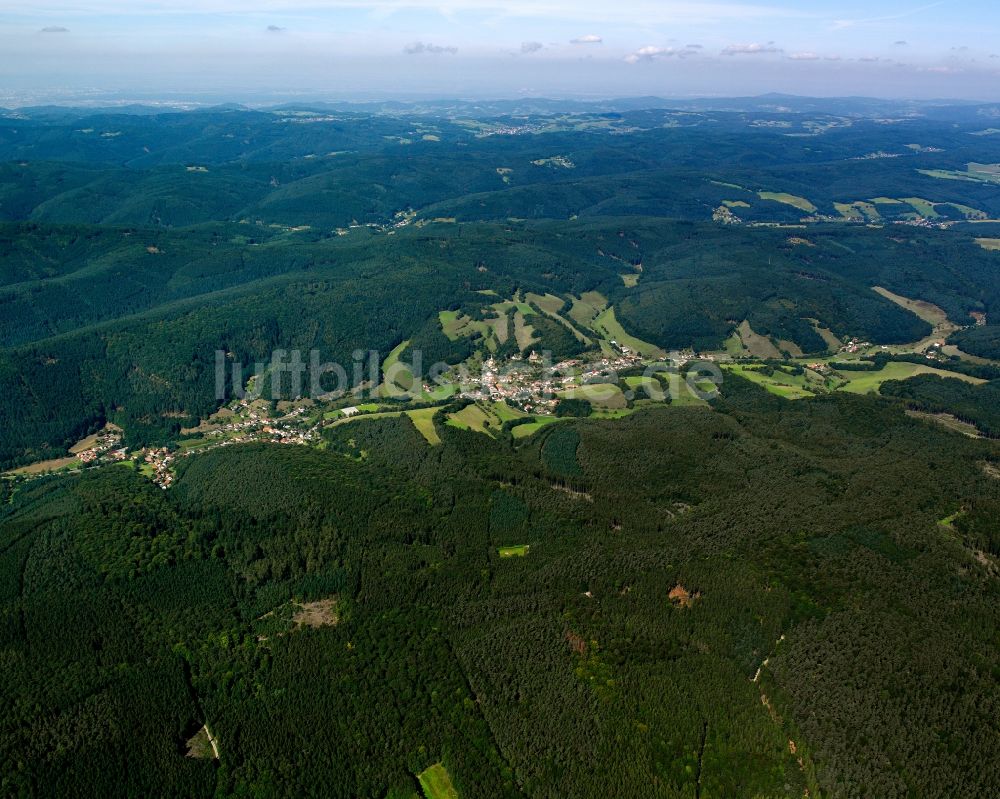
<point>649,53</point>
<point>804,57</point>
<point>752,49</point>
<point>419,48</point>
<point>644,54</point>
<point>590,38</point>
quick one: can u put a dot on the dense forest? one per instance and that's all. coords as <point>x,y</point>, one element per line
<point>682,622</point>
<point>787,589</point>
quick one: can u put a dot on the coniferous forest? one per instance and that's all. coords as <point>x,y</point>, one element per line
<point>787,588</point>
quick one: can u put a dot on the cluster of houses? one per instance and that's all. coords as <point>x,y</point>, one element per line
<point>251,424</point>
<point>533,387</point>
<point>855,345</point>
<point>160,459</point>
<point>508,130</point>
<point>105,447</point>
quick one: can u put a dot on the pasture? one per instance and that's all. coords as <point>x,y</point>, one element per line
<point>436,783</point>
<point>788,199</point>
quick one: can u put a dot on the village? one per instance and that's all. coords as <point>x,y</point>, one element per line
<point>531,386</point>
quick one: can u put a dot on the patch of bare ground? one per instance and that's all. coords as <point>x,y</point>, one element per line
<point>322,613</point>
<point>927,311</point>
<point>45,466</point>
<point>202,745</point>
<point>679,509</point>
<point>947,421</point>
<point>681,597</point>
<point>294,615</point>
<point>573,492</point>
<point>757,345</point>
<point>991,470</point>
<point>576,643</point>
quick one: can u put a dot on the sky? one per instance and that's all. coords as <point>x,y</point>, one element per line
<point>61,49</point>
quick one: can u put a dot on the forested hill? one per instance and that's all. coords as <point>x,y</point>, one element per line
<point>134,245</point>
<point>516,580</point>
<point>759,600</point>
<point>121,325</point>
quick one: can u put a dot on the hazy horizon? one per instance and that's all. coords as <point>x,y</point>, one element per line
<point>485,49</point>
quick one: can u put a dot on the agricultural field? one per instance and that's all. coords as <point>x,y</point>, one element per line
<point>423,420</point>
<point>519,551</point>
<point>586,308</point>
<point>788,199</point>
<point>757,345</point>
<point>608,327</point>
<point>975,173</point>
<point>527,430</point>
<point>436,783</point>
<point>478,417</point>
<point>871,382</point>
<point>778,382</point>
<point>606,396</point>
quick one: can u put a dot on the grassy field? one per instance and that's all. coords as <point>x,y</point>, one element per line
<point>523,332</point>
<point>858,211</point>
<point>368,407</point>
<point>423,420</point>
<point>928,312</point>
<point>989,244</point>
<point>475,417</point>
<point>398,378</point>
<point>436,783</point>
<point>46,466</point>
<point>788,199</point>
<point>923,207</point>
<point>780,383</point>
<point>393,357</point>
<point>526,430</point>
<point>600,395</point>
<point>451,323</point>
<point>518,551</point>
<point>442,392</point>
<point>866,382</point>
<point>550,306</point>
<point>192,444</point>
<point>607,326</point>
<point>976,173</point>
<point>505,413</point>
<point>500,327</point>
<point>549,303</point>
<point>654,388</point>
<point>455,326</point>
<point>832,341</point>
<point>757,345</point>
<point>587,307</point>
